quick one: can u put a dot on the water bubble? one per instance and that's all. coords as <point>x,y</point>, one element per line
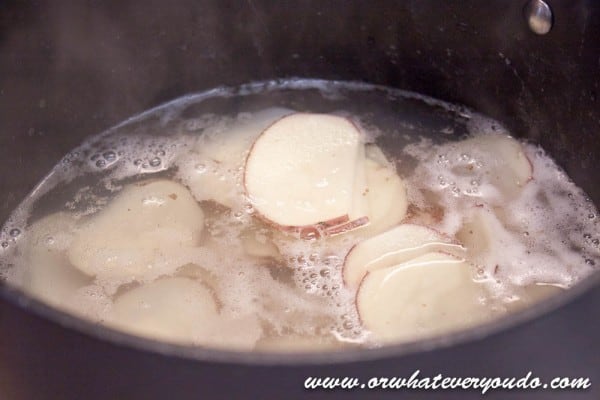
<point>591,216</point>
<point>4,245</point>
<point>14,232</point>
<point>160,153</point>
<point>587,236</point>
<point>95,157</point>
<point>589,261</point>
<point>155,162</point>
<point>109,156</point>
<point>348,325</point>
<point>331,260</point>
<point>101,163</point>
<point>324,273</point>
<point>137,162</point>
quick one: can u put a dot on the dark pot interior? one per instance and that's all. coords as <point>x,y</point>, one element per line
<point>72,69</point>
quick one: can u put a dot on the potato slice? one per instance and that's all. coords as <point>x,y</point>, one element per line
<point>427,296</point>
<point>386,197</point>
<point>211,169</point>
<point>184,311</point>
<point>504,163</point>
<point>301,173</point>
<point>48,275</point>
<point>138,230</point>
<point>171,309</point>
<point>392,247</point>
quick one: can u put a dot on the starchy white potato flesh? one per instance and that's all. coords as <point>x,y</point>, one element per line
<point>211,169</point>
<point>360,204</point>
<point>302,171</point>
<point>386,197</point>
<point>392,247</point>
<point>426,296</point>
<point>140,228</point>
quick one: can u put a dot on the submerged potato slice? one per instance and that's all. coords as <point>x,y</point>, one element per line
<point>138,230</point>
<point>392,247</point>
<point>48,274</point>
<point>184,311</point>
<point>172,309</point>
<point>429,295</point>
<point>504,162</point>
<point>302,171</point>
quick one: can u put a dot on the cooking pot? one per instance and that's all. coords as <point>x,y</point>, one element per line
<point>73,69</point>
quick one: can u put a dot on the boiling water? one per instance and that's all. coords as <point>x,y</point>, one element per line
<point>279,292</point>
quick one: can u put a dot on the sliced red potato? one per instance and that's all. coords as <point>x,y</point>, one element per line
<point>48,274</point>
<point>145,223</point>
<point>184,311</point>
<point>392,247</point>
<point>505,164</point>
<point>429,295</point>
<point>211,169</point>
<point>302,174</point>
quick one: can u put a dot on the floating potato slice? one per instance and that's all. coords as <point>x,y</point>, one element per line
<point>301,173</point>
<point>48,274</point>
<point>392,247</point>
<point>211,169</point>
<point>427,296</point>
<point>505,164</point>
<point>138,230</point>
<point>183,311</point>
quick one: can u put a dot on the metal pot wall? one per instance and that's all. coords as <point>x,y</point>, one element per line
<point>72,69</point>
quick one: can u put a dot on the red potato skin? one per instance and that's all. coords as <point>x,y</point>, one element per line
<point>331,227</point>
